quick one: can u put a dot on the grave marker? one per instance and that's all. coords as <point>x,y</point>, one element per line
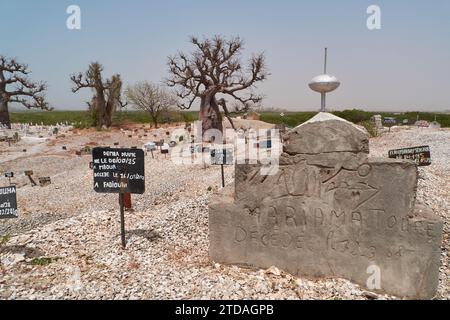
<point>44,181</point>
<point>330,210</point>
<point>8,202</point>
<point>150,146</point>
<point>9,175</point>
<point>420,155</point>
<point>165,149</point>
<point>110,164</point>
<point>29,173</point>
<point>84,151</point>
<point>222,157</point>
<point>119,171</point>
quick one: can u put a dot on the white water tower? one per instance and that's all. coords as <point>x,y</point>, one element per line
<point>324,83</point>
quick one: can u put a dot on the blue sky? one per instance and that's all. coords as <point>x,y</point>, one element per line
<point>403,66</point>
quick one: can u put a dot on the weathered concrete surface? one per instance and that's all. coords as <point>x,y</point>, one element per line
<point>330,211</point>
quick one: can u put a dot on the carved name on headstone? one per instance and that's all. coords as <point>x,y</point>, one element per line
<point>330,211</point>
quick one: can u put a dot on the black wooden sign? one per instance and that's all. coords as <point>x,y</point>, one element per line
<point>8,202</point>
<point>222,156</point>
<point>264,144</point>
<point>195,149</point>
<point>9,174</point>
<point>421,155</point>
<point>118,170</point>
<point>44,181</point>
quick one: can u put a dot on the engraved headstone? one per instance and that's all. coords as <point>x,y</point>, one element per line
<point>330,211</point>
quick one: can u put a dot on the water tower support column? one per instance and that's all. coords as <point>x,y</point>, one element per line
<point>322,105</point>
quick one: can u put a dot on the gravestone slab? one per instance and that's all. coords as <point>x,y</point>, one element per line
<point>330,211</point>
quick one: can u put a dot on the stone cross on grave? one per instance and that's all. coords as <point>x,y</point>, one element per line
<point>330,211</point>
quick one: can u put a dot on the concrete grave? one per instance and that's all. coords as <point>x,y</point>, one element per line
<point>330,211</point>
<point>377,122</point>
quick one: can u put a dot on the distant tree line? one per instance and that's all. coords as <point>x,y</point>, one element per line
<point>211,73</point>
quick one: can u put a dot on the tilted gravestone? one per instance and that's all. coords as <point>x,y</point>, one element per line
<point>330,211</point>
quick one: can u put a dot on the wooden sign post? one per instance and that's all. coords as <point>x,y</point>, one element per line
<point>9,175</point>
<point>119,171</point>
<point>150,146</point>
<point>164,149</point>
<point>29,173</point>
<point>222,157</point>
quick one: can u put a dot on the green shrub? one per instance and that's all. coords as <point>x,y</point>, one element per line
<point>370,127</point>
<point>4,239</point>
<point>43,261</point>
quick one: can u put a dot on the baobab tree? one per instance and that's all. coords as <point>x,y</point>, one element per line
<point>107,94</point>
<point>212,73</point>
<point>15,87</point>
<point>151,98</point>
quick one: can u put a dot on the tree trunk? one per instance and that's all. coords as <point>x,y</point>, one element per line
<point>100,107</point>
<point>109,110</point>
<point>4,114</point>
<point>210,115</point>
<point>155,121</point>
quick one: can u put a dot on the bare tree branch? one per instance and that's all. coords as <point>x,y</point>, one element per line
<point>107,94</point>
<point>215,68</point>
<point>150,98</point>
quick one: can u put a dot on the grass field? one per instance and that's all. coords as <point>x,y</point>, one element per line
<point>291,119</point>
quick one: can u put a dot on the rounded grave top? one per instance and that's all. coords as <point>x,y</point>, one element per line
<point>326,133</point>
